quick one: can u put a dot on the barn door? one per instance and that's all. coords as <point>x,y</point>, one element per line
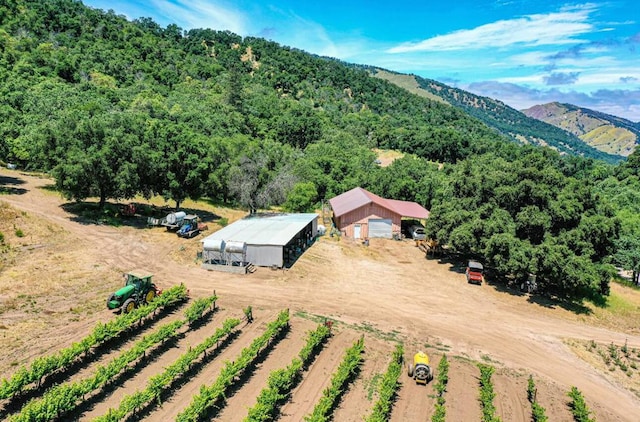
<point>380,228</point>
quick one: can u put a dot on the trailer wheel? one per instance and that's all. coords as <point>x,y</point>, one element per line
<point>410,370</point>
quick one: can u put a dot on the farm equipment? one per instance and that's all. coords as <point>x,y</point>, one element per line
<point>128,210</point>
<point>474,272</point>
<point>138,289</point>
<point>530,285</point>
<point>174,220</point>
<point>429,247</point>
<point>419,369</point>
<point>190,227</point>
<point>185,225</point>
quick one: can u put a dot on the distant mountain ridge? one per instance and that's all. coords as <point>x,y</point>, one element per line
<point>605,132</point>
<point>510,122</point>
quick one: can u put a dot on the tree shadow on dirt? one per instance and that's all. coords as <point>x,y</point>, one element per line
<point>504,285</point>
<point>51,187</point>
<point>131,214</point>
<point>146,210</point>
<point>9,186</point>
<point>90,213</point>
<point>458,264</point>
<point>552,303</point>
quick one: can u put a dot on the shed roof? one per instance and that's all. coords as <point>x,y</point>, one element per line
<point>276,229</point>
<point>358,197</point>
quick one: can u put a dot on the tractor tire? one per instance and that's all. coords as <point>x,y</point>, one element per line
<point>410,370</point>
<point>151,294</point>
<point>128,306</point>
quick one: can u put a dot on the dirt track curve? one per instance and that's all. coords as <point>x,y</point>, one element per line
<point>388,287</point>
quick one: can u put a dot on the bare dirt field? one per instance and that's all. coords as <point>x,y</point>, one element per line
<point>57,270</point>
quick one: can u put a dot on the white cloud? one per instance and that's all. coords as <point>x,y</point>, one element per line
<point>531,58</point>
<point>611,77</point>
<point>202,14</point>
<point>290,29</point>
<point>313,37</point>
<point>532,30</point>
<point>623,103</point>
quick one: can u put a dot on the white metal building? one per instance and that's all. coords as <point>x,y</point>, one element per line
<point>271,240</point>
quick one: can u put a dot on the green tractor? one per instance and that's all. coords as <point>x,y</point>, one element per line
<point>138,289</point>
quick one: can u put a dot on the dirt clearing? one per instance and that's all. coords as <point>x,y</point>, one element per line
<point>58,270</point>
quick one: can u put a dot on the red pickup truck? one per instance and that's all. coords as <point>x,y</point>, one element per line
<point>475,272</point>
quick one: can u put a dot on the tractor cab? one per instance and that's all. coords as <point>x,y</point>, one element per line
<point>138,289</point>
<point>138,279</point>
<point>190,226</point>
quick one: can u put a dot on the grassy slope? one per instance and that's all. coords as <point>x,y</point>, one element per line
<point>520,127</point>
<point>607,133</point>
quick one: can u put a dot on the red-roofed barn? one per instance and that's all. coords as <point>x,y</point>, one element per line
<point>359,213</point>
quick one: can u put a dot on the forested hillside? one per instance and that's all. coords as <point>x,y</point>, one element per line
<point>113,109</point>
<point>518,126</point>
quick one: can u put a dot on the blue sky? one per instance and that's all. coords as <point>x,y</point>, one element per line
<point>522,52</point>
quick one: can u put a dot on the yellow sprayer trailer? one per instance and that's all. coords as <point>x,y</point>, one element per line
<point>420,370</point>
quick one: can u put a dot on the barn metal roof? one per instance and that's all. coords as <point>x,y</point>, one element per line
<point>276,229</point>
<point>409,209</point>
<point>358,197</point>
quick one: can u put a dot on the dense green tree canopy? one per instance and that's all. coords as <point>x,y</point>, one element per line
<point>114,108</point>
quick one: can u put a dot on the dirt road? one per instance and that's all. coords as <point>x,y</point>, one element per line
<point>388,287</point>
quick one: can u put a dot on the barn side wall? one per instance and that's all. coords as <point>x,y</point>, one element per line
<point>346,222</point>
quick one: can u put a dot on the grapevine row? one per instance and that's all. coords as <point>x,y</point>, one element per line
<point>282,381</point>
<point>210,395</point>
<point>537,412</point>
<point>159,383</point>
<point>199,306</point>
<point>64,398</point>
<point>47,365</point>
<point>344,374</point>
<point>487,394</point>
<point>578,406</point>
<point>388,388</point>
<point>441,388</point>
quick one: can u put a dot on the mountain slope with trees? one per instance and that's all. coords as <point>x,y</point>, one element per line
<point>115,108</point>
<point>506,120</point>
<point>610,134</point>
<point>89,92</point>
